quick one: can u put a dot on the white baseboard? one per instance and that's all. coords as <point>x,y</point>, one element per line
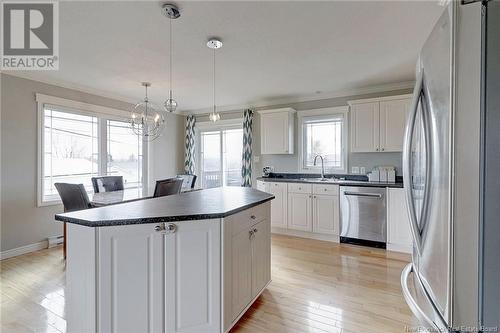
<point>23,249</point>
<point>305,234</point>
<point>399,248</point>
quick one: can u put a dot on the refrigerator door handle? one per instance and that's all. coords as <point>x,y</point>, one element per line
<point>408,140</point>
<point>441,325</point>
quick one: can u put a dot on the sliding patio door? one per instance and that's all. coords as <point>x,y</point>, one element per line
<point>220,152</point>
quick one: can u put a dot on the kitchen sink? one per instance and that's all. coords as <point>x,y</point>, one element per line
<point>320,180</point>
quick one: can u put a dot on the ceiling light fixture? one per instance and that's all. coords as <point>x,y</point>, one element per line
<point>146,121</point>
<point>172,12</point>
<point>214,44</point>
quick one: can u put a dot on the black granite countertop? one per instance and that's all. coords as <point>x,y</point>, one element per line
<point>343,180</point>
<point>198,205</point>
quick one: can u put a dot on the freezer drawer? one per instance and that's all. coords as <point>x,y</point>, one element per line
<point>363,215</point>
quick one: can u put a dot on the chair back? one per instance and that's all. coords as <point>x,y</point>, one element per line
<point>107,183</point>
<point>168,187</point>
<point>73,196</point>
<point>188,181</point>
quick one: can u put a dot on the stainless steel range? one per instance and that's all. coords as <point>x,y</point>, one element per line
<point>363,215</point>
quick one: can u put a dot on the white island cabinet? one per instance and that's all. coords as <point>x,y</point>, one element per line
<point>185,276</point>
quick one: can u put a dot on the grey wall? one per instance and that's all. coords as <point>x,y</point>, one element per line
<point>290,163</point>
<point>22,223</point>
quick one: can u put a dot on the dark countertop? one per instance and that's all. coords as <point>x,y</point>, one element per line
<point>198,205</point>
<point>350,180</point>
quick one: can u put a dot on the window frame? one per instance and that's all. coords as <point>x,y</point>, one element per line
<point>208,126</point>
<point>103,114</point>
<point>320,114</point>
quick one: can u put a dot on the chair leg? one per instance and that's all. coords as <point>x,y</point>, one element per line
<point>64,243</point>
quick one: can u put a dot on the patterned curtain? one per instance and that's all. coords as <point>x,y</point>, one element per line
<point>246,163</point>
<point>189,155</point>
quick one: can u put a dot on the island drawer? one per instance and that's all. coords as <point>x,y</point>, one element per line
<point>248,217</point>
<point>299,188</point>
<point>325,189</point>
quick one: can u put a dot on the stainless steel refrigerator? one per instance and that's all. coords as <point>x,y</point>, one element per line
<point>450,160</point>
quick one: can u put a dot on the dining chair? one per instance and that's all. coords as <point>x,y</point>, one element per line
<point>74,197</point>
<point>188,181</point>
<point>107,183</point>
<point>168,187</point>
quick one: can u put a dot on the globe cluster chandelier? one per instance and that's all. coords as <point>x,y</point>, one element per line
<point>146,121</point>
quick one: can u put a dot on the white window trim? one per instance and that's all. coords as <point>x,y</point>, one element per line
<point>206,126</point>
<point>81,108</point>
<point>341,111</point>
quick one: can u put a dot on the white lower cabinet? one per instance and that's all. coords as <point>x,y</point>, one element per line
<point>130,279</point>
<point>279,204</point>
<point>326,214</point>
<point>188,276</point>
<point>192,277</point>
<point>398,224</point>
<point>247,265</point>
<point>151,275</point>
<point>299,211</point>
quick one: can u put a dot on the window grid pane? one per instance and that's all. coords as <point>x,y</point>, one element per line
<point>124,150</point>
<point>70,150</point>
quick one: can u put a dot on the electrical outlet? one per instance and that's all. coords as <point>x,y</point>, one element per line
<point>362,170</point>
<point>256,159</point>
<point>355,169</point>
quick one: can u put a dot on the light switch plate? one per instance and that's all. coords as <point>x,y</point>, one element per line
<point>256,159</point>
<point>355,169</point>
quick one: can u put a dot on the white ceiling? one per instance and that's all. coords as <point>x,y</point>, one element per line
<point>272,50</point>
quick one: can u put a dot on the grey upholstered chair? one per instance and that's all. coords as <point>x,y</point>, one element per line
<point>107,183</point>
<point>188,181</point>
<point>168,187</point>
<point>74,197</point>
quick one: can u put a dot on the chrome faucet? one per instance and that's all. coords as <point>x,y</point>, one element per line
<point>322,166</point>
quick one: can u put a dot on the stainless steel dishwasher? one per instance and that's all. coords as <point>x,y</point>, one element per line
<point>363,215</point>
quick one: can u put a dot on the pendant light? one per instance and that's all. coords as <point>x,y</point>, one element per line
<point>214,44</point>
<point>172,12</point>
<point>146,121</point>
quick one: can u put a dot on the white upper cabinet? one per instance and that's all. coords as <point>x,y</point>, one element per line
<point>365,127</point>
<point>378,124</point>
<point>276,131</point>
<point>393,116</point>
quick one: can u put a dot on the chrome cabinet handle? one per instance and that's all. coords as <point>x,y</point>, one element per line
<point>171,228</point>
<point>382,149</point>
<point>361,194</point>
<point>255,230</point>
<point>160,227</point>
<point>253,217</point>
<point>251,232</point>
<point>376,149</point>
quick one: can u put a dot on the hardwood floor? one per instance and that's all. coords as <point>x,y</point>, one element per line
<point>317,287</point>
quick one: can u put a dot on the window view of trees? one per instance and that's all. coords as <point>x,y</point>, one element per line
<point>323,138</point>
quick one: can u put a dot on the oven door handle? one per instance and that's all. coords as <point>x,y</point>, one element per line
<point>361,194</point>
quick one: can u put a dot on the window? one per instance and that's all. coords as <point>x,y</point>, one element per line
<point>70,150</point>
<point>124,154</point>
<point>323,134</point>
<point>220,150</point>
<point>76,145</point>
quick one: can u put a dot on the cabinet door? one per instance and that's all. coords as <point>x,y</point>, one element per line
<point>241,264</point>
<point>365,127</point>
<point>192,277</point>
<point>261,186</point>
<point>299,211</point>
<point>130,279</point>
<point>275,133</point>
<point>398,224</point>
<point>326,214</point>
<point>261,256</point>
<point>279,204</point>
<point>392,124</point>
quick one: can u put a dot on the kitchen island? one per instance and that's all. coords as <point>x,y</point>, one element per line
<point>192,262</point>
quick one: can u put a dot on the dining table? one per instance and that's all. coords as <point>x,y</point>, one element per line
<point>100,199</point>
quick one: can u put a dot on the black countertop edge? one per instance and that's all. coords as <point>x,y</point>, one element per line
<point>351,182</point>
<point>356,177</point>
<point>146,220</point>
